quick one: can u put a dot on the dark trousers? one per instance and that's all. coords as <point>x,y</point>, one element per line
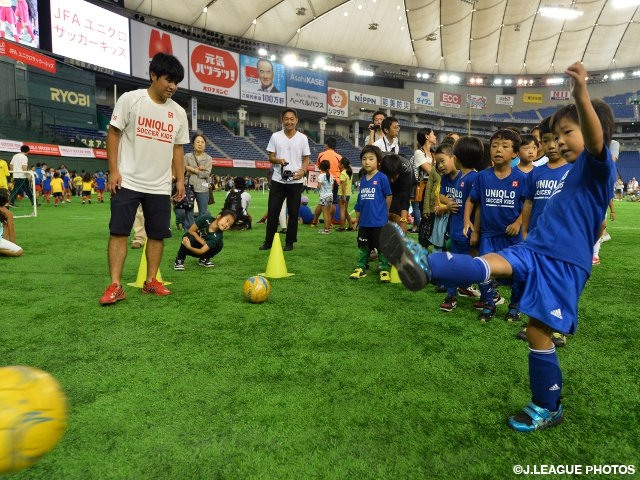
<point>278,193</point>
<point>21,186</point>
<point>208,255</point>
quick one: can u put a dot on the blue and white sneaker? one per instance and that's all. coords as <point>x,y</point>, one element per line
<point>409,257</point>
<point>534,418</point>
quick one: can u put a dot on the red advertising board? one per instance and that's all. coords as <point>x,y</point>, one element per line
<point>25,55</point>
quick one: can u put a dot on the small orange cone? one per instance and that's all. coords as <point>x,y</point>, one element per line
<point>393,275</point>
<point>142,271</point>
<point>276,267</point>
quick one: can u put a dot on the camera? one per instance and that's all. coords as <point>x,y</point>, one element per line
<point>287,175</point>
<point>373,126</point>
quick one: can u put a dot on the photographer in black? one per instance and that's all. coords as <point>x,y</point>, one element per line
<point>375,127</point>
<point>289,153</point>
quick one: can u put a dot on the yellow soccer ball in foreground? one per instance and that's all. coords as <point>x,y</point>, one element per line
<point>33,416</point>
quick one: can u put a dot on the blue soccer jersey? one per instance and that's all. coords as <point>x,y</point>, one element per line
<point>101,183</point>
<point>463,188</point>
<point>500,200</point>
<point>568,227</point>
<point>542,184</point>
<point>372,200</point>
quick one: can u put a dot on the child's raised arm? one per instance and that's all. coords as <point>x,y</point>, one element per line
<point>589,121</point>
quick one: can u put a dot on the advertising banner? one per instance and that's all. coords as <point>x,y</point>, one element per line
<point>262,81</point>
<point>214,71</point>
<point>424,98</point>
<point>146,41</point>
<point>91,34</point>
<point>505,100</point>
<point>364,98</point>
<point>338,102</point>
<point>477,102</point>
<point>532,98</point>
<point>395,104</point>
<point>307,90</point>
<point>450,100</point>
<point>26,55</point>
<point>560,95</point>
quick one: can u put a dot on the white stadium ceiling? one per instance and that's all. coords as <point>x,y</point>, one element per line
<point>485,36</point>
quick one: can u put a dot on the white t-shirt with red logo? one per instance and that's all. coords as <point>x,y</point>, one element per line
<point>149,132</point>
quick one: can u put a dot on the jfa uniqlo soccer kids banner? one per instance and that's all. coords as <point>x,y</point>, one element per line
<point>146,41</point>
<point>214,71</point>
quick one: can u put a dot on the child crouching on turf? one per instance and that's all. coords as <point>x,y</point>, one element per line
<point>553,263</point>
<point>372,212</point>
<point>204,238</point>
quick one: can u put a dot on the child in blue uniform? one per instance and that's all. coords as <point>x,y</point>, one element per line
<point>553,262</point>
<point>498,192</point>
<point>542,183</point>
<point>372,212</point>
<point>468,153</point>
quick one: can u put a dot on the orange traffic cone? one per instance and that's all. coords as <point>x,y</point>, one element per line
<point>142,271</point>
<point>276,267</point>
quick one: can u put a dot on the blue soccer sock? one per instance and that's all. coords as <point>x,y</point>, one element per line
<point>451,269</point>
<point>487,293</point>
<point>545,378</point>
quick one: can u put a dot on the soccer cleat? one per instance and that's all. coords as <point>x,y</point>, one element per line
<point>595,261</point>
<point>357,274</point>
<point>406,255</point>
<point>534,418</point>
<point>264,246</point>
<point>513,315</point>
<point>497,300</point>
<point>114,293</point>
<point>205,263</point>
<point>287,247</point>
<point>384,276</point>
<point>606,237</point>
<point>469,292</point>
<point>324,231</point>
<point>178,264</point>
<point>155,287</point>
<point>449,304</point>
<point>558,339</point>
<point>487,314</point>
<point>522,334</point>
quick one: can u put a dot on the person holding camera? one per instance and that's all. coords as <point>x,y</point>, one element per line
<point>375,131</point>
<point>388,142</point>
<point>289,153</point>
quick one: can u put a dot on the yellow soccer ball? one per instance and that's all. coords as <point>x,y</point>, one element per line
<point>33,416</point>
<point>256,289</point>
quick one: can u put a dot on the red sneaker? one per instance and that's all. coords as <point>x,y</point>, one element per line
<point>112,294</point>
<point>155,287</point>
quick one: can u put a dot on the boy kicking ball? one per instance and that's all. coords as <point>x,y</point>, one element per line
<point>553,263</point>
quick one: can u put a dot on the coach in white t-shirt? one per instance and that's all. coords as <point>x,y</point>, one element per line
<point>144,147</point>
<point>19,166</point>
<point>289,153</point>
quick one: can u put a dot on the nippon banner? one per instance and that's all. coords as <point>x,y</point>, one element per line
<point>477,102</point>
<point>214,71</point>
<point>146,41</point>
<point>338,102</point>
<point>505,100</point>
<point>307,90</point>
<point>262,81</point>
<point>364,98</point>
<point>450,100</point>
<point>424,98</point>
<point>560,94</point>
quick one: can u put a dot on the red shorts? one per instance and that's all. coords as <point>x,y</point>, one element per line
<point>6,15</point>
<point>22,11</point>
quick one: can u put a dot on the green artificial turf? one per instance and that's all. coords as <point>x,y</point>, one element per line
<point>330,378</point>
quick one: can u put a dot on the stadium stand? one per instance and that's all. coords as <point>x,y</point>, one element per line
<point>628,165</point>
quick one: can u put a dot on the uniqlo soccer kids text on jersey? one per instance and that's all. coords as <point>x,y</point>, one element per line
<point>542,184</point>
<point>462,189</point>
<point>500,200</point>
<point>372,200</point>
